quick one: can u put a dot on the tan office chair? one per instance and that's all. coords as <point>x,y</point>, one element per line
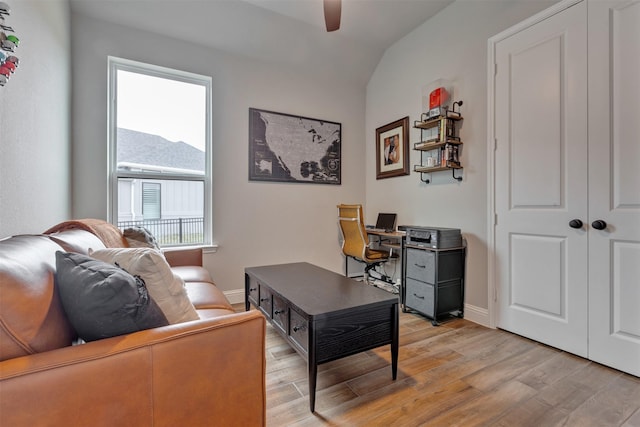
<point>355,241</point>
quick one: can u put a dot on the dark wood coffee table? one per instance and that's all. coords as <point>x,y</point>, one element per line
<point>324,316</point>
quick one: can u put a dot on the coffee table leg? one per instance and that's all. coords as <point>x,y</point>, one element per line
<point>313,374</point>
<point>395,342</point>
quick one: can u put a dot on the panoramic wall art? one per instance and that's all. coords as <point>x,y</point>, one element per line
<point>289,148</point>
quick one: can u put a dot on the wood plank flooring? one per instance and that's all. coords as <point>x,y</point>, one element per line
<point>457,374</point>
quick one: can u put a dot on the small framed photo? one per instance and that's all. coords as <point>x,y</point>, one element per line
<point>392,149</point>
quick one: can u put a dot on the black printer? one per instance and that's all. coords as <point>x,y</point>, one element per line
<point>432,237</point>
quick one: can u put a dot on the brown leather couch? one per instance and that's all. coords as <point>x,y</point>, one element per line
<point>208,372</point>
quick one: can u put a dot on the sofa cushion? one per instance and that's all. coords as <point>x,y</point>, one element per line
<point>102,300</point>
<point>166,288</point>
<point>192,273</point>
<point>32,319</point>
<point>206,295</point>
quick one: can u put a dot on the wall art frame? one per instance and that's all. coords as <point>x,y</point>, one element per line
<point>392,149</point>
<point>290,148</point>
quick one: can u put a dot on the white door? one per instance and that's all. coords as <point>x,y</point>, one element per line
<point>614,184</point>
<point>541,180</point>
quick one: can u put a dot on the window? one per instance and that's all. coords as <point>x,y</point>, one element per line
<point>160,151</point>
<point>151,208</point>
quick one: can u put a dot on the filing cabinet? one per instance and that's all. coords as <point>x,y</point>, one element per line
<point>433,281</point>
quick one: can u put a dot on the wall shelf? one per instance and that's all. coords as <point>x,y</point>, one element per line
<point>440,146</point>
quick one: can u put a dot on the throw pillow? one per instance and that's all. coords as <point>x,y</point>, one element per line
<point>140,237</point>
<point>102,300</point>
<point>165,287</point>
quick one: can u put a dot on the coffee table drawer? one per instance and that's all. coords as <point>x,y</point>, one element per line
<point>299,330</point>
<point>280,313</point>
<point>266,300</point>
<point>253,292</point>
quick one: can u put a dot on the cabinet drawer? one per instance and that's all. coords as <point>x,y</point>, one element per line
<point>421,265</point>
<point>253,291</point>
<point>299,330</point>
<point>280,313</point>
<point>265,300</point>
<point>420,297</point>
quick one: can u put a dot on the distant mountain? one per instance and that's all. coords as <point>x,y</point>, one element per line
<point>147,149</point>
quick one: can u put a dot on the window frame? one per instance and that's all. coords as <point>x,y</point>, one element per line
<point>116,64</point>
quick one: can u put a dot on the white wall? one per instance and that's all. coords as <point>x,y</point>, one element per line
<point>254,223</point>
<point>452,46</point>
<point>34,120</point>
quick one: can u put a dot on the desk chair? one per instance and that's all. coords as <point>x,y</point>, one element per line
<point>355,241</point>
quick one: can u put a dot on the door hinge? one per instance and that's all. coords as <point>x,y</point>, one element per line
<point>495,144</point>
<point>495,219</point>
<point>495,69</point>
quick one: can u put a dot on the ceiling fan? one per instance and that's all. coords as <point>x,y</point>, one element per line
<point>332,11</point>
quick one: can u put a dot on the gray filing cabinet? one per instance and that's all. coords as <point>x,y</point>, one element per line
<point>433,281</point>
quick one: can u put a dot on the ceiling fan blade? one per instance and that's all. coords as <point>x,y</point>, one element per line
<point>332,11</point>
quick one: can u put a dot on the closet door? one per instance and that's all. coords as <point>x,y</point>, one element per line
<point>541,180</point>
<point>614,184</point>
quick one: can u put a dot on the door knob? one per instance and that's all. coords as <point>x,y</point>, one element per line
<point>599,224</point>
<point>575,223</point>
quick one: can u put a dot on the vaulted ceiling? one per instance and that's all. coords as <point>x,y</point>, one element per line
<point>287,31</point>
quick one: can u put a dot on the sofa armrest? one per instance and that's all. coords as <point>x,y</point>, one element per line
<point>182,257</point>
<point>193,373</point>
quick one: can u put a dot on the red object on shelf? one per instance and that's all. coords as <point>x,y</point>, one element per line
<point>438,97</point>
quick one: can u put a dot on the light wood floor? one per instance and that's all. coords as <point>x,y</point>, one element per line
<point>457,374</point>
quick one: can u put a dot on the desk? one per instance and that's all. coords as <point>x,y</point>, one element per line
<point>391,239</point>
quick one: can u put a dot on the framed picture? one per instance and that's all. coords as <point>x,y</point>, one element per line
<point>392,149</point>
<point>288,148</point>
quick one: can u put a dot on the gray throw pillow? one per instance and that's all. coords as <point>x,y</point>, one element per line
<point>102,300</point>
<point>140,237</point>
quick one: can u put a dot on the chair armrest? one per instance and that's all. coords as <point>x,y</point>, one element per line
<point>192,373</point>
<point>182,257</point>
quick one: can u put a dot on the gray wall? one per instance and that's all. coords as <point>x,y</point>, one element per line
<point>452,46</point>
<point>34,121</point>
<point>254,223</point>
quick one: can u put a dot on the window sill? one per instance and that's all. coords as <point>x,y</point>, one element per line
<point>206,249</point>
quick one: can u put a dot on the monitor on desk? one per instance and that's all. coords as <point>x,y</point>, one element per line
<point>386,221</point>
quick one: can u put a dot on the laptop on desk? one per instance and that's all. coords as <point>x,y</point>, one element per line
<point>385,222</point>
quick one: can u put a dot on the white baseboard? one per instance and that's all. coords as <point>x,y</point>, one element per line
<point>471,312</point>
<point>477,315</point>
<point>235,296</point>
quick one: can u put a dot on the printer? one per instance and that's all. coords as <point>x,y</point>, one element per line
<point>432,237</point>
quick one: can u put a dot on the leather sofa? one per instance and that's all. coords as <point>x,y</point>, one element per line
<point>205,372</point>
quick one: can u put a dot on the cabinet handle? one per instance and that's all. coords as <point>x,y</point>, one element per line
<point>253,289</point>
<point>420,266</point>
<point>599,224</point>
<point>264,299</point>
<point>299,328</point>
<point>278,312</point>
<point>418,296</point>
